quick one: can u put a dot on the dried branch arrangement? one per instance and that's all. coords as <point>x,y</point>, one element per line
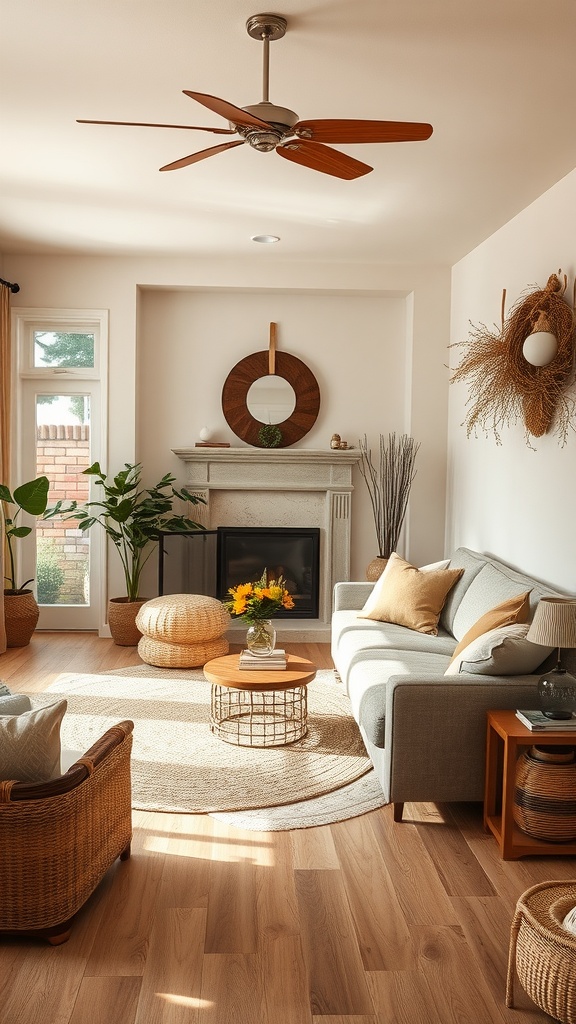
<point>504,386</point>
<point>389,485</point>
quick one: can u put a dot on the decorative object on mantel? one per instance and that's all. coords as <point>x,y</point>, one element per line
<point>270,435</point>
<point>335,441</point>
<point>133,519</point>
<point>522,371</point>
<point>256,603</point>
<point>389,486</point>
<point>264,369</point>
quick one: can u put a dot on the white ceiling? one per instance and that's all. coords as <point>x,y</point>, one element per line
<point>494,77</point>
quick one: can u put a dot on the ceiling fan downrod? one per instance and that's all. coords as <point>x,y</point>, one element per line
<point>266,28</point>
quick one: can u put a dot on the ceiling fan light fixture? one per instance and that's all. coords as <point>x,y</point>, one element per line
<point>265,239</point>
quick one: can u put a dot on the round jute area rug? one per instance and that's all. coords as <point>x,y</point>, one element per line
<point>178,765</point>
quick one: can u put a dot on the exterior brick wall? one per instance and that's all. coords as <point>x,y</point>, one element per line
<point>63,452</point>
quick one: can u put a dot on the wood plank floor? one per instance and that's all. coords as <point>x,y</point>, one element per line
<point>361,922</point>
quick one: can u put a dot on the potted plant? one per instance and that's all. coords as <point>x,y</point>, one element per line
<point>133,518</point>
<point>20,607</point>
<point>389,486</point>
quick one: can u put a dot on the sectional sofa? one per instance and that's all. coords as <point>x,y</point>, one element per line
<point>424,729</point>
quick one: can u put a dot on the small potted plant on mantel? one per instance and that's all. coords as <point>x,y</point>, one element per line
<point>20,606</point>
<point>134,519</point>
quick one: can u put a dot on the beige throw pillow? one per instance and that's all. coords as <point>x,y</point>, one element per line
<point>514,609</point>
<point>409,596</point>
<point>30,744</point>
<point>373,601</point>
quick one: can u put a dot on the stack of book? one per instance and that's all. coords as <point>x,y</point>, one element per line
<point>538,722</point>
<point>269,663</point>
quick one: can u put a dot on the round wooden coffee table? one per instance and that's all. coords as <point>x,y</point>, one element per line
<point>259,707</point>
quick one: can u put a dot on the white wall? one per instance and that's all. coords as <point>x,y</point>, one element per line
<point>515,503</point>
<point>375,337</point>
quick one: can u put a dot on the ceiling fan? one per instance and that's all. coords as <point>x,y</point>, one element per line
<point>266,127</point>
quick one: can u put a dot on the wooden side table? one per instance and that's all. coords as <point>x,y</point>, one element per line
<point>506,738</point>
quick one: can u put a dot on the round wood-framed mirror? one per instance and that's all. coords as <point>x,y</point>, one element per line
<point>252,368</point>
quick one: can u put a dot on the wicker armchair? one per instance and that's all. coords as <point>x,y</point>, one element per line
<point>542,952</point>
<point>58,838</point>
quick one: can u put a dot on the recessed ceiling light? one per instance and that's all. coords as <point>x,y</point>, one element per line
<point>265,239</point>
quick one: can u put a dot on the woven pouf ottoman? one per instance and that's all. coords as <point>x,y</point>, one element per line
<point>182,630</point>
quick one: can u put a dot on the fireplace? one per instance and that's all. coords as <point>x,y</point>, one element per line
<point>279,488</point>
<point>243,553</point>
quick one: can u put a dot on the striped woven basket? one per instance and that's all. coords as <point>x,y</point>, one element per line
<point>545,794</point>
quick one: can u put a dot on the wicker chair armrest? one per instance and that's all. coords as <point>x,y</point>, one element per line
<point>77,772</point>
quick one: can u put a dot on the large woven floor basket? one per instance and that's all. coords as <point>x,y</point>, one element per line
<point>545,793</point>
<point>542,952</point>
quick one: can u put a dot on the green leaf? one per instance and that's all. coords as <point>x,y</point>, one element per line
<point>5,494</point>
<point>33,496</point>
<point>20,531</point>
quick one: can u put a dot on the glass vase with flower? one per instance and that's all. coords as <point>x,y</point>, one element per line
<point>256,604</point>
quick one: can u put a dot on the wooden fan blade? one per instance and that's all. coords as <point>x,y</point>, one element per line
<point>333,130</point>
<point>185,161</point>
<point>322,158</point>
<point>147,124</point>
<point>227,110</point>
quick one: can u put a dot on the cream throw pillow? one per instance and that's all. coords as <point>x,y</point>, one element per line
<point>409,596</point>
<point>30,744</point>
<point>514,609</point>
<point>500,652</point>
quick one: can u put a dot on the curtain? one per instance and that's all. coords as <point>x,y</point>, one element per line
<point>5,397</point>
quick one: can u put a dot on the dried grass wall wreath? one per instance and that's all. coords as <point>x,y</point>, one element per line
<point>504,386</point>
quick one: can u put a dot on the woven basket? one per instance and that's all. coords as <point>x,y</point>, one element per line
<point>545,794</point>
<point>20,617</point>
<point>542,952</point>
<point>183,618</point>
<point>122,620</point>
<point>165,655</point>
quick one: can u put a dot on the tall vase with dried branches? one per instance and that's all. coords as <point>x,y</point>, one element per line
<point>389,483</point>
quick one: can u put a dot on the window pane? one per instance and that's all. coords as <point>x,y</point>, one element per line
<point>62,453</point>
<point>59,348</point>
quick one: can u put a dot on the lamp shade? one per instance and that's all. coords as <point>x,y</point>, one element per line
<point>554,623</point>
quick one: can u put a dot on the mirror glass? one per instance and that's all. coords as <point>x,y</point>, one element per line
<point>271,399</point>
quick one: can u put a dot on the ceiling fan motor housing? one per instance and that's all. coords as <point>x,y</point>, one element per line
<point>280,119</point>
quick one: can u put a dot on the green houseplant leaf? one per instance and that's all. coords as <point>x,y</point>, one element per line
<point>31,497</point>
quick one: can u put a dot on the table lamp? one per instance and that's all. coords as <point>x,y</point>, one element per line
<point>554,625</point>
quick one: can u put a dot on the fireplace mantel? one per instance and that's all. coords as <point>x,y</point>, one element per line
<point>281,487</point>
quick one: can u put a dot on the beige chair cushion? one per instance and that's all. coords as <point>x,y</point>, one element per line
<point>30,744</point>
<point>515,609</point>
<point>183,618</point>
<point>409,596</point>
<point>167,655</point>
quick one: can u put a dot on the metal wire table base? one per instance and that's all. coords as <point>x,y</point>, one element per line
<point>253,718</point>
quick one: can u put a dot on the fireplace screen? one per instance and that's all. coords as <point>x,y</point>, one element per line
<point>244,553</point>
